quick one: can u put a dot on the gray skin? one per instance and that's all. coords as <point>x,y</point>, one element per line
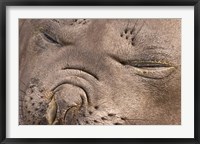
<point>100,71</point>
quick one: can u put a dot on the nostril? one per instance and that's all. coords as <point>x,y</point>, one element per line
<point>71,102</point>
<point>71,116</point>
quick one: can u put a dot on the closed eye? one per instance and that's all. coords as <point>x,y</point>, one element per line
<point>150,69</point>
<point>50,38</point>
<point>152,63</point>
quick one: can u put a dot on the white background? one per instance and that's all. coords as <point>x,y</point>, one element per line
<point>185,130</point>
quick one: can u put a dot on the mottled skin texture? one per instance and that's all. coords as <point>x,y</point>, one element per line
<point>100,71</point>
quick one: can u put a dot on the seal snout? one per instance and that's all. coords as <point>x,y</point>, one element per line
<point>72,95</point>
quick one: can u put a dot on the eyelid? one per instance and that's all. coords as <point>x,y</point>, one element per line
<point>151,69</point>
<point>49,33</point>
<point>50,38</point>
<point>148,63</point>
<point>154,73</point>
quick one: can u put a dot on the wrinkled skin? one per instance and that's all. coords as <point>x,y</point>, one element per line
<point>100,71</point>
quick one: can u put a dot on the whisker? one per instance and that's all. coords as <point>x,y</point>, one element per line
<point>55,20</point>
<point>21,100</point>
<point>102,103</point>
<point>22,91</point>
<point>22,82</point>
<point>135,24</point>
<point>138,30</point>
<point>129,120</point>
<point>128,24</point>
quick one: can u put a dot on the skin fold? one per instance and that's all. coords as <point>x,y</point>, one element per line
<point>100,71</point>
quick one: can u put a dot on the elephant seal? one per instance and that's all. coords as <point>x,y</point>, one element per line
<point>100,71</point>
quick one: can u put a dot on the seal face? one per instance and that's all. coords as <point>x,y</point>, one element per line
<point>100,71</point>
